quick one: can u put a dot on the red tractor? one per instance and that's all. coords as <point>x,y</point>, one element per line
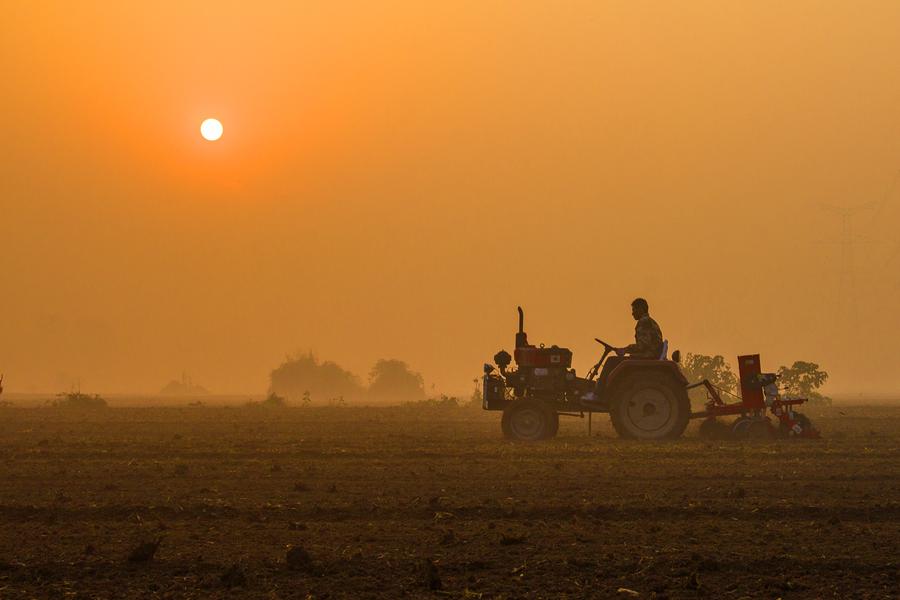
<point>645,399</point>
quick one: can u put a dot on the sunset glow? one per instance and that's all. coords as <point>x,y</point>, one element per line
<point>383,163</point>
<point>584,299</point>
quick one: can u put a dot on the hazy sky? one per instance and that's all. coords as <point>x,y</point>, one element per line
<point>396,176</point>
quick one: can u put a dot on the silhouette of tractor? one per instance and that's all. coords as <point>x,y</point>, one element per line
<point>646,399</point>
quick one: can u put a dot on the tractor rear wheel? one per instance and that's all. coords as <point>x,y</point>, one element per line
<point>554,423</point>
<point>650,406</point>
<point>528,420</point>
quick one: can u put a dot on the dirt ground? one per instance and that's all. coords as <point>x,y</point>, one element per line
<point>399,502</point>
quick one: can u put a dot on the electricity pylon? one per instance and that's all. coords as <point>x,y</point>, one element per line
<point>894,250</point>
<point>847,311</point>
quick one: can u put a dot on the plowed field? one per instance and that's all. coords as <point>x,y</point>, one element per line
<point>392,502</point>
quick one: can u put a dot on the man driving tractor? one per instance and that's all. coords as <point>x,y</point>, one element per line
<point>648,339</point>
<point>644,392</point>
<point>648,344</point>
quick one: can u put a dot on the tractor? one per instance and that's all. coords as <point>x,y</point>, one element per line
<point>646,399</point>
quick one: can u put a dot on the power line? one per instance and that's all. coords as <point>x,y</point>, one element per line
<point>894,252</point>
<point>847,311</point>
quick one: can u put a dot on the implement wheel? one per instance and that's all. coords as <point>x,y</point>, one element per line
<point>802,420</point>
<point>528,420</point>
<point>761,430</point>
<point>712,429</point>
<point>650,406</point>
<point>752,428</point>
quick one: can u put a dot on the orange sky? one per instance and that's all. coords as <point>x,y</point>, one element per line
<point>395,177</point>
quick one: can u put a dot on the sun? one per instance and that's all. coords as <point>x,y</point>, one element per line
<point>211,129</point>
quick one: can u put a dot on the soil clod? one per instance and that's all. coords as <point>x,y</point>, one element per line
<point>508,539</point>
<point>144,551</point>
<point>234,577</point>
<point>298,559</point>
<point>431,579</point>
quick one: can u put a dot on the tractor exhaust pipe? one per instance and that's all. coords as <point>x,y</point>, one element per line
<point>521,336</point>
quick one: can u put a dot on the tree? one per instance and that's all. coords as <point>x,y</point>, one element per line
<point>185,387</point>
<point>803,379</point>
<point>697,367</point>
<point>303,377</point>
<point>78,400</point>
<point>392,380</point>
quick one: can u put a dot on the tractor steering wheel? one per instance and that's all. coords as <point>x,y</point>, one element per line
<point>607,348</point>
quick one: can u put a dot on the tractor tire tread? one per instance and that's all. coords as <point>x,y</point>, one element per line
<point>625,390</point>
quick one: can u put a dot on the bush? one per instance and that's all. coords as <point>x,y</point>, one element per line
<point>697,367</point>
<point>444,401</point>
<point>804,379</point>
<point>273,400</point>
<point>476,400</point>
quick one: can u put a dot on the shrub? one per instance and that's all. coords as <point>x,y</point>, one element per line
<point>273,400</point>
<point>444,401</point>
<point>476,400</point>
<point>804,379</point>
<point>697,367</point>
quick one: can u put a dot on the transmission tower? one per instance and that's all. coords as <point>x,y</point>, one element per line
<point>879,215</point>
<point>847,311</point>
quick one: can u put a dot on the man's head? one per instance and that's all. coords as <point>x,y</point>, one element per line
<point>639,308</point>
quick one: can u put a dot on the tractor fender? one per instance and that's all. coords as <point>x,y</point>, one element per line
<point>637,365</point>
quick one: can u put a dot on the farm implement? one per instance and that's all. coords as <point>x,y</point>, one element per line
<point>647,399</point>
<point>759,395</point>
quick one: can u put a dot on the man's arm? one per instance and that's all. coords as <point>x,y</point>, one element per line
<point>645,342</point>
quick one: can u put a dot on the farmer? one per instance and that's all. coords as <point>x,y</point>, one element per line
<point>648,339</point>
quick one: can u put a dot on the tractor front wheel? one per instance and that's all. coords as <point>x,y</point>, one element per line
<point>527,420</point>
<point>650,406</point>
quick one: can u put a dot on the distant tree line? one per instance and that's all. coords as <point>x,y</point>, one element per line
<point>185,387</point>
<point>801,379</point>
<point>304,379</point>
<point>75,399</point>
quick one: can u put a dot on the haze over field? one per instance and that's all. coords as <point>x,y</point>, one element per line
<point>394,179</point>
